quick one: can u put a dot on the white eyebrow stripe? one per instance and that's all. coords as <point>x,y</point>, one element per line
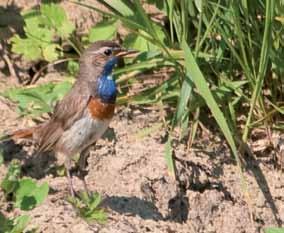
<point>101,50</point>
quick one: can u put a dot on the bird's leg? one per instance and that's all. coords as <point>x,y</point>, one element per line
<point>69,176</point>
<point>82,164</point>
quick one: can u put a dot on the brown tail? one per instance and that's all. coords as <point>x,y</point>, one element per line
<point>22,134</point>
<point>19,134</point>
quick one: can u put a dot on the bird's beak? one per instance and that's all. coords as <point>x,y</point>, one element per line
<point>122,52</point>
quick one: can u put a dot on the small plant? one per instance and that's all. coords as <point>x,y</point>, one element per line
<point>43,30</point>
<point>29,195</point>
<point>37,100</point>
<point>87,207</point>
<point>13,225</point>
<point>11,181</point>
<point>24,192</point>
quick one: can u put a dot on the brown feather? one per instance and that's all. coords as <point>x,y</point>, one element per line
<point>22,134</point>
<point>100,110</point>
<point>66,112</point>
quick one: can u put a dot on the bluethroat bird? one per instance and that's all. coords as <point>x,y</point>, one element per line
<point>84,114</point>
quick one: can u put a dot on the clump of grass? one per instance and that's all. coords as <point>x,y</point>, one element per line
<point>87,207</point>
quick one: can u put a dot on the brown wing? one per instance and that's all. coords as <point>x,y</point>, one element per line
<point>66,112</point>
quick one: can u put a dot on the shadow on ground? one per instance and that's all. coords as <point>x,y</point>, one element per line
<point>133,206</point>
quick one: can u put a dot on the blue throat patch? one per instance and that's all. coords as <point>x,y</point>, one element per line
<point>106,85</point>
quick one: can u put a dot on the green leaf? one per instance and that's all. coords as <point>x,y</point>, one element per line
<point>29,195</point>
<point>103,31</point>
<point>88,207</point>
<point>27,47</point>
<point>198,4</point>
<point>1,154</point>
<point>66,29</point>
<point>20,223</point>
<point>59,90</point>
<point>136,42</point>
<point>37,100</point>
<point>169,157</point>
<point>49,52</point>
<point>120,6</point>
<point>10,183</point>
<point>96,199</point>
<point>274,230</point>
<point>185,93</point>
<point>56,17</point>
<point>54,13</point>
<point>40,36</point>
<point>73,67</point>
<point>98,215</point>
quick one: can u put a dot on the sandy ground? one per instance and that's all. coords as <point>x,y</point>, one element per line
<point>139,194</point>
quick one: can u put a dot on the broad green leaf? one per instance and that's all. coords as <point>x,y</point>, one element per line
<point>20,223</point>
<point>103,31</point>
<point>57,18</point>
<point>27,47</point>
<point>10,183</point>
<point>49,52</point>
<point>29,195</point>
<point>54,13</point>
<point>40,98</point>
<point>39,35</point>
<point>59,90</point>
<point>66,29</point>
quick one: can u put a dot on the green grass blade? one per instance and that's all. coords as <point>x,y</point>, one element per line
<point>119,6</point>
<point>169,157</point>
<point>201,84</point>
<point>185,94</point>
<point>263,63</point>
<point>274,230</point>
<point>203,89</point>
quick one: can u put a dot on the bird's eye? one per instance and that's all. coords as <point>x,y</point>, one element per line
<point>108,52</point>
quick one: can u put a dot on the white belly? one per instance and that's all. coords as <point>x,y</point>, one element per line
<point>82,134</point>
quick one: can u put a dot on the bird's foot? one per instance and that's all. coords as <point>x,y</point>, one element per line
<point>70,183</point>
<point>82,174</point>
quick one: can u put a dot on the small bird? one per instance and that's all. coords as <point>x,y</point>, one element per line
<point>84,114</point>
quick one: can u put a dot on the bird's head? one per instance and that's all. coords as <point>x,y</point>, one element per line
<point>96,65</point>
<point>101,57</point>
